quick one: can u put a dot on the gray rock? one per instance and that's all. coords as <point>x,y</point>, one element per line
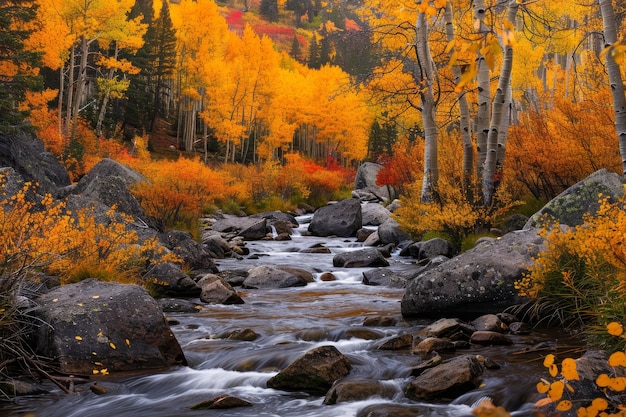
<point>363,234</point>
<point>95,325</point>
<point>367,257</point>
<point>491,323</point>
<point>221,403</point>
<point>390,232</point>
<point>341,219</point>
<point>215,244</point>
<point>267,276</point>
<point>432,248</point>
<point>250,228</point>
<point>358,389</point>
<point>315,371</point>
<point>178,305</point>
<point>400,342</point>
<point>29,158</point>
<point>365,181</point>
<point>479,281</point>
<point>433,344</point>
<point>394,410</point>
<point>485,337</point>
<point>168,278</point>
<point>215,290</point>
<point>448,328</point>
<point>374,214</point>
<point>193,254</point>
<point>571,205</point>
<point>451,378</point>
<point>388,277</point>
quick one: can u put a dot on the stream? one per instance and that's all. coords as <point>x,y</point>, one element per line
<point>290,322</point>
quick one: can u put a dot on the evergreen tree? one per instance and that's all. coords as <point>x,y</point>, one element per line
<point>269,10</point>
<point>16,63</point>
<point>325,48</point>
<point>313,60</point>
<point>296,49</point>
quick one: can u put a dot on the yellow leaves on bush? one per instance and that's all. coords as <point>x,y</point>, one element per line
<point>45,236</point>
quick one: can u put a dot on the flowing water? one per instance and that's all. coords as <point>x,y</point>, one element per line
<point>289,322</point>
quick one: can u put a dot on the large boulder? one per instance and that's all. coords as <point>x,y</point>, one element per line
<point>569,207</point>
<point>365,183</point>
<point>28,156</point>
<point>193,254</point>
<point>341,219</point>
<point>479,281</point>
<point>269,276</point>
<point>374,214</point>
<point>216,290</point>
<point>250,228</point>
<point>92,325</point>
<point>315,371</point>
<point>390,232</point>
<point>358,389</point>
<point>450,379</point>
<point>362,258</point>
<point>167,278</point>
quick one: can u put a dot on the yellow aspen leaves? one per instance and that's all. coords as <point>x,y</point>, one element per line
<point>127,342</point>
<point>564,405</point>
<point>78,338</point>
<point>615,329</point>
<point>568,369</point>
<point>112,345</point>
<point>548,362</point>
<point>617,359</point>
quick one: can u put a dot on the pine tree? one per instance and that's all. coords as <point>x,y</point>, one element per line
<point>313,60</point>
<point>296,49</point>
<point>269,10</point>
<point>16,63</point>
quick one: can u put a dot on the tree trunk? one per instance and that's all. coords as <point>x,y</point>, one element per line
<point>464,122</point>
<point>496,125</point>
<point>615,77</point>
<point>484,96</point>
<point>81,83</point>
<point>426,77</point>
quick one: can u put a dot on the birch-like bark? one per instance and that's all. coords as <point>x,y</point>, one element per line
<point>497,110</point>
<point>425,78</point>
<point>484,95</point>
<point>615,77</point>
<point>464,122</point>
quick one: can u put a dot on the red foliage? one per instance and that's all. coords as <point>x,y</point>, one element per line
<point>273,31</point>
<point>234,18</point>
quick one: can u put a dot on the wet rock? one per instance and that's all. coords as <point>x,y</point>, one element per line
<point>404,341</point>
<point>274,217</point>
<point>390,232</point>
<point>358,389</point>
<point>380,321</point>
<point>315,371</point>
<point>246,335</point>
<point>490,338</point>
<point>328,276</point>
<point>367,257</point>
<point>434,360</point>
<point>119,326</point>
<point>221,403</point>
<point>341,219</point>
<point>363,234</point>
<point>490,322</point>
<point>250,228</point>
<point>448,328</point>
<point>433,344</point>
<point>317,248</point>
<point>387,277</point>
<point>234,277</point>
<point>314,334</point>
<point>193,254</point>
<point>15,387</point>
<point>363,333</point>
<point>392,410</point>
<point>430,249</point>
<point>267,276</point>
<point>478,281</point>
<point>216,245</point>
<point>448,380</point>
<point>569,207</point>
<point>98,389</point>
<point>519,327</point>
<point>178,305</point>
<point>374,214</point>
<point>372,240</point>
<point>167,278</point>
<point>215,290</point>
<point>507,318</point>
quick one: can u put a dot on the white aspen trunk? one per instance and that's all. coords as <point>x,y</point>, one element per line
<point>60,104</point>
<point>70,94</point>
<point>105,99</point>
<point>81,82</point>
<point>427,78</point>
<point>615,77</point>
<point>464,122</point>
<point>484,97</point>
<point>499,102</point>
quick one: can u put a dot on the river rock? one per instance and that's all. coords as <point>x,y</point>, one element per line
<point>478,281</point>
<point>221,403</point>
<point>358,389</point>
<point>269,276</point>
<point>390,232</point>
<point>491,323</point>
<point>363,234</point>
<point>365,184</point>
<point>449,328</point>
<point>250,228</point>
<point>393,410</point>
<point>215,245</point>
<point>569,207</point>
<point>167,278</point>
<point>374,214</point>
<point>178,305</point>
<point>193,254</point>
<point>404,341</point>
<point>362,258</point>
<point>450,379</point>
<point>388,277</point>
<point>373,239</point>
<point>430,249</point>
<point>28,157</point>
<point>433,344</point>
<point>215,290</point>
<point>341,219</point>
<point>485,337</point>
<point>273,217</point>
<point>94,325</point>
<point>315,371</point>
